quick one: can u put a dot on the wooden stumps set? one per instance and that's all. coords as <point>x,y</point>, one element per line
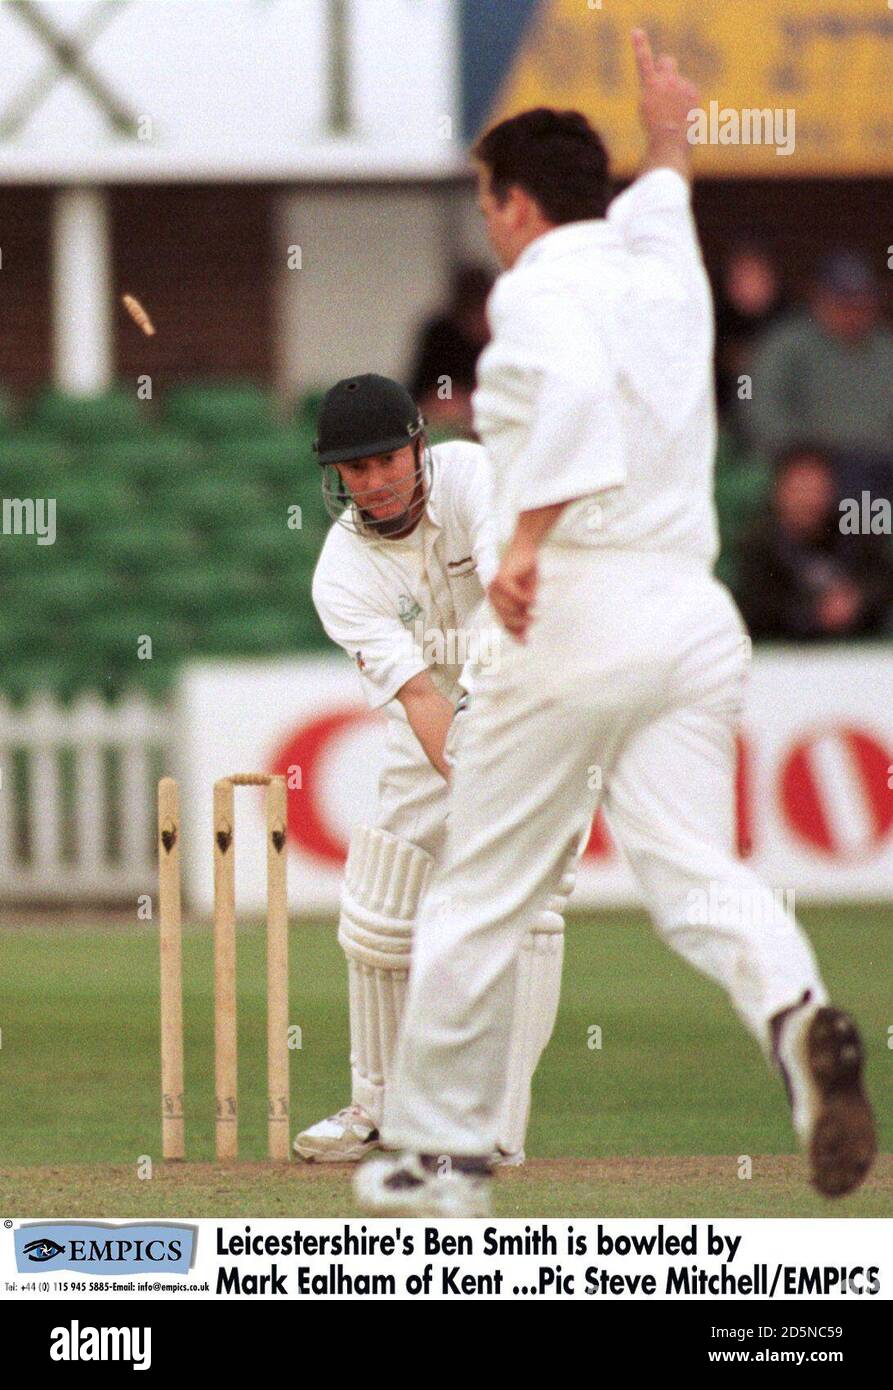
<point>225,1012</point>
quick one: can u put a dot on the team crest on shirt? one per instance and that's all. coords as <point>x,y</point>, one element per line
<point>360,660</point>
<point>408,610</point>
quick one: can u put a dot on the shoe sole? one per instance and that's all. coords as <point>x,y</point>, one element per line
<point>313,1155</point>
<point>843,1142</point>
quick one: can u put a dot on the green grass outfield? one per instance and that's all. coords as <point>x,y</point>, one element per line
<point>653,1122</point>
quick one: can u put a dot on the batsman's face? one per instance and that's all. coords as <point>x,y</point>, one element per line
<point>382,485</point>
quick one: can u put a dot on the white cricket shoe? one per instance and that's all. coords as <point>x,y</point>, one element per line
<point>819,1051</point>
<point>345,1137</point>
<point>406,1184</point>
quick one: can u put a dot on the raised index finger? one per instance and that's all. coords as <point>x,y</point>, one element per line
<point>644,56</point>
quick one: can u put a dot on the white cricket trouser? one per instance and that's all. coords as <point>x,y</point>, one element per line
<point>628,691</point>
<point>412,795</point>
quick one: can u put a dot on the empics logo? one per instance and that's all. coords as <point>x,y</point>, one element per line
<point>76,1343</point>
<point>100,1248</point>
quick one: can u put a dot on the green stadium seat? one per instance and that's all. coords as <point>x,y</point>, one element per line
<point>84,502</point>
<point>258,631</point>
<point>305,490</point>
<point>740,495</point>
<point>281,455</point>
<point>300,570</point>
<point>59,591</point>
<point>729,451</point>
<point>309,631</point>
<point>315,527</point>
<point>219,410</point>
<point>31,461</point>
<point>136,547</point>
<point>112,636</point>
<point>193,591</point>
<point>87,419</point>
<point>726,567</point>
<point>13,631</point>
<point>51,673</point>
<point>742,489</point>
<point>207,500</point>
<point>152,459</point>
<point>26,554</point>
<point>305,495</point>
<point>179,533</point>
<point>267,545</point>
<point>156,678</point>
<point>307,410</point>
<point>22,559</point>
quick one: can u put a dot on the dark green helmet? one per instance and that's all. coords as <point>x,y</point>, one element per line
<point>365,415</point>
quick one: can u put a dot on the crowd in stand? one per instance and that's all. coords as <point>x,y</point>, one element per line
<point>805,394</point>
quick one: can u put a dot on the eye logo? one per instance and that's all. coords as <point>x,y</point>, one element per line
<point>42,1250</point>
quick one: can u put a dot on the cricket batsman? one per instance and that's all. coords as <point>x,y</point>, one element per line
<point>623,674</point>
<point>399,580</point>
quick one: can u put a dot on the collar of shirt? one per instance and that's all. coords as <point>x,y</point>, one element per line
<point>567,240</point>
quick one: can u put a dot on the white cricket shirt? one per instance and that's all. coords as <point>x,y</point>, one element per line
<point>398,607</point>
<point>598,381</point>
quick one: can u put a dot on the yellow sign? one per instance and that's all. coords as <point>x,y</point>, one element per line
<point>787,87</point>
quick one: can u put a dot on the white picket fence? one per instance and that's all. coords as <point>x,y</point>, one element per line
<point>77,798</point>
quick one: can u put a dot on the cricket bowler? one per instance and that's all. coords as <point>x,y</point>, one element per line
<point>399,580</point>
<point>622,678</point>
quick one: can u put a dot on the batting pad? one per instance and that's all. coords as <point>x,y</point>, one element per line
<point>384,881</point>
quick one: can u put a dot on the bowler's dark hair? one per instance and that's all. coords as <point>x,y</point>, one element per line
<point>555,156</point>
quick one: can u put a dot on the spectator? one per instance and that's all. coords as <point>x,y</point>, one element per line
<point>749,298</point>
<point>827,375</point>
<point>442,378</point>
<point>799,577</point>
